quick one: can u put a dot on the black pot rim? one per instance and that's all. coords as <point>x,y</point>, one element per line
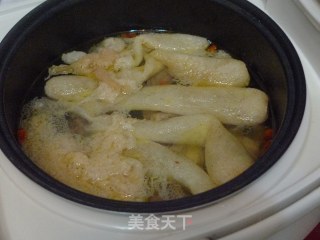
<point>286,134</point>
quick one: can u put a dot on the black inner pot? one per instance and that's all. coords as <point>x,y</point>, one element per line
<point>237,26</point>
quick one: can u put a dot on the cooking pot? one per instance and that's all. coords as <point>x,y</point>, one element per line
<point>57,26</point>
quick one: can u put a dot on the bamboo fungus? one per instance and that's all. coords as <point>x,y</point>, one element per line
<point>159,160</point>
<point>225,157</point>
<point>236,106</point>
<point>174,42</point>
<point>191,130</point>
<point>203,70</point>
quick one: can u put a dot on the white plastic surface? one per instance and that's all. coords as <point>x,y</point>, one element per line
<point>297,26</point>
<point>311,9</point>
<point>280,197</point>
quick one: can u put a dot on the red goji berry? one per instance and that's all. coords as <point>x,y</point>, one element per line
<point>22,135</point>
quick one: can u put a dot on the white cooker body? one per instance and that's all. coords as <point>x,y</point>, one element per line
<point>284,194</point>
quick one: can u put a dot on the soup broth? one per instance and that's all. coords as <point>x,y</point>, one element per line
<point>146,117</point>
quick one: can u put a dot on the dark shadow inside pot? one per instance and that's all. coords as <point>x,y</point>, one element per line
<point>236,26</point>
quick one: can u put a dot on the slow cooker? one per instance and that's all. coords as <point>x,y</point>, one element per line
<point>281,186</point>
